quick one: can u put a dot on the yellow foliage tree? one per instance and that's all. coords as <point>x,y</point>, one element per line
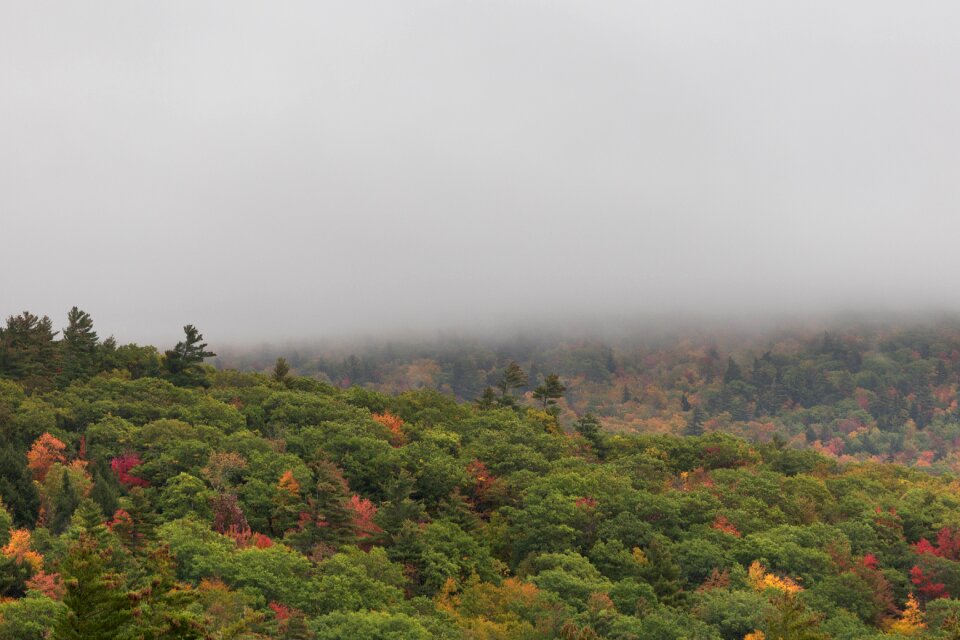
<point>18,549</point>
<point>761,580</point>
<point>911,622</point>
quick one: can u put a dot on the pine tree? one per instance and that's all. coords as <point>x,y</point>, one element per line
<point>28,352</point>
<point>513,378</point>
<point>551,390</point>
<point>79,347</point>
<point>183,361</point>
<point>487,400</point>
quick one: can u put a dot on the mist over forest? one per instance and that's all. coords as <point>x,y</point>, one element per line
<point>500,320</point>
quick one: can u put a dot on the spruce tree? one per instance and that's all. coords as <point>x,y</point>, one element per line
<point>281,370</point>
<point>97,604</point>
<point>589,427</point>
<point>694,423</point>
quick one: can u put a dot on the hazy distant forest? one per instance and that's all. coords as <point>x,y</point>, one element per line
<point>792,485</point>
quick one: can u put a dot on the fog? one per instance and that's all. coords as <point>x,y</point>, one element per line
<point>278,171</point>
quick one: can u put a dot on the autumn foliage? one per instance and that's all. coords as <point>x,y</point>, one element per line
<point>121,467</point>
<point>394,425</point>
<point>45,452</point>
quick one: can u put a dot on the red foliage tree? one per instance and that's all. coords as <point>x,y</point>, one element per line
<point>363,513</point>
<point>227,513</point>
<point>121,466</point>
<point>926,586</point>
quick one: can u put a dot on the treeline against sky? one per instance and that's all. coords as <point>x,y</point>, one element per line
<point>148,495</point>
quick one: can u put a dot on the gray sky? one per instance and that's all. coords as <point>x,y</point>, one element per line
<point>294,169</point>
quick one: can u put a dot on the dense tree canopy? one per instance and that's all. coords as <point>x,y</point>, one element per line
<point>141,503</point>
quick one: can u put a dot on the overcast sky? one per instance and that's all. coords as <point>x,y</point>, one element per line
<point>299,169</point>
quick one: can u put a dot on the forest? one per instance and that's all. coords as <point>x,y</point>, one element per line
<point>798,486</point>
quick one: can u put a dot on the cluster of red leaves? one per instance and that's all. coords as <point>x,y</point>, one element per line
<point>227,513</point>
<point>723,525</point>
<point>868,570</point>
<point>245,538</point>
<point>280,611</point>
<point>486,486</point>
<point>363,513</point>
<point>49,584</point>
<point>586,503</point>
<point>925,584</point>
<point>120,518</point>
<point>121,466</point>
<point>948,545</point>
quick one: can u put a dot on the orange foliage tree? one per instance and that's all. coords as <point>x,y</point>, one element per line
<point>394,425</point>
<point>45,452</point>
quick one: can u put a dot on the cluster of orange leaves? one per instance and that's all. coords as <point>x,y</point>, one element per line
<point>761,580</point>
<point>18,549</point>
<point>45,452</point>
<point>723,525</point>
<point>289,484</point>
<point>394,425</point>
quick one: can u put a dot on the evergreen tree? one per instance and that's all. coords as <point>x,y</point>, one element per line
<point>589,427</point>
<point>28,352</point>
<point>65,503</point>
<point>487,400</point>
<point>17,488</point>
<point>105,491</point>
<point>97,604</point>
<point>281,370</point>
<point>694,423</point>
<point>733,371</point>
<point>513,378</point>
<point>551,390</point>
<point>183,361</point>
<point>79,347</point>
<point>399,507</point>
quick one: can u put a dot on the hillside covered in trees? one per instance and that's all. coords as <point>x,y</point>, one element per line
<point>880,392</point>
<point>146,494</point>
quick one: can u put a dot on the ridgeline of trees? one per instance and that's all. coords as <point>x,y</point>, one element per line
<point>881,393</point>
<point>148,495</point>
